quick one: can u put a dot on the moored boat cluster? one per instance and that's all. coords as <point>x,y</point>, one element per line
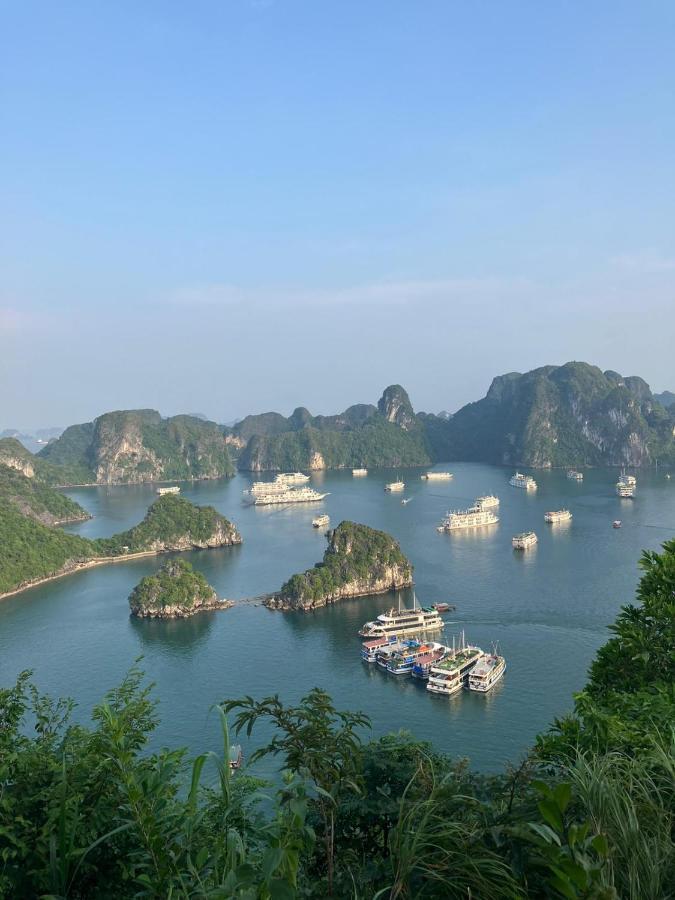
<point>398,645</point>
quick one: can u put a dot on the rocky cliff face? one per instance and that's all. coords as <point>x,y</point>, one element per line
<point>175,592</point>
<point>358,561</point>
<point>559,416</point>
<point>133,446</point>
<point>395,406</point>
<point>14,455</point>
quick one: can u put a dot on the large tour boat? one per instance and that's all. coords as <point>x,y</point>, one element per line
<point>625,491</point>
<point>627,479</point>
<point>488,501</point>
<point>574,475</point>
<point>558,515</point>
<point>292,478</point>
<point>404,621</point>
<point>487,672</point>
<point>401,662</point>
<point>436,476</point>
<point>474,517</point>
<point>395,485</point>
<point>370,649</point>
<point>449,675</point>
<point>523,481</point>
<point>422,667</point>
<point>524,541</point>
<point>168,490</point>
<point>290,495</point>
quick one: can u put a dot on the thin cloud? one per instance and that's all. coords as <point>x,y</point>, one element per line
<point>375,293</point>
<point>645,262</point>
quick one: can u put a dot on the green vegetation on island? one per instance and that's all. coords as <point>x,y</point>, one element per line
<point>567,415</point>
<point>36,499</point>
<point>175,591</point>
<point>32,551</point>
<point>172,523</point>
<point>90,812</point>
<point>139,445</point>
<point>388,435</point>
<point>358,561</point>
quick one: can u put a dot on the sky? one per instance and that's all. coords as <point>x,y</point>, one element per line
<point>236,206</point>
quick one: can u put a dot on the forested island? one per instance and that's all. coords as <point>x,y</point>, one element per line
<point>176,591</point>
<point>33,552</point>
<point>587,814</point>
<point>358,561</point>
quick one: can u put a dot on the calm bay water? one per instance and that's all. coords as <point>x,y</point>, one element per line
<point>549,608</point>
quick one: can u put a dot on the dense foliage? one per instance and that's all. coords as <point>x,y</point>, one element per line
<point>36,499</point>
<point>175,584</point>
<point>355,553</point>
<point>559,415</point>
<point>170,521</point>
<point>44,471</point>
<point>139,445</point>
<point>31,551</point>
<point>88,813</point>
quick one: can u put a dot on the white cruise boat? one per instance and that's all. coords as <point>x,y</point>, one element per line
<point>630,480</point>
<point>395,486</point>
<point>625,491</point>
<point>436,476</point>
<point>267,487</point>
<point>292,478</point>
<point>487,672</point>
<point>523,481</point>
<point>486,502</point>
<point>473,517</point>
<point>450,674</point>
<point>370,649</point>
<point>524,541</point>
<point>168,490</point>
<point>321,521</point>
<point>558,515</point>
<point>574,475</point>
<point>290,495</point>
<point>401,622</point>
<point>359,473</point>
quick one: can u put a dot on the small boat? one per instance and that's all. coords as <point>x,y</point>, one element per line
<point>524,541</point>
<point>575,475</point>
<point>168,490</point>
<point>436,476</point>
<point>443,607</point>
<point>359,473</point>
<point>236,756</point>
<point>406,500</point>
<point>321,521</point>
<point>616,523</point>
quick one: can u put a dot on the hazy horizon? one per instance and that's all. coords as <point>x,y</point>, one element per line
<point>266,204</point>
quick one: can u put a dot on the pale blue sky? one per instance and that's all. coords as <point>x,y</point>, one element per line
<point>235,206</point>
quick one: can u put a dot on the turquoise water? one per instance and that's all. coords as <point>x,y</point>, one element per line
<point>548,608</point>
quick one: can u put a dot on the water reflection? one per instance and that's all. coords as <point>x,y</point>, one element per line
<point>175,636</point>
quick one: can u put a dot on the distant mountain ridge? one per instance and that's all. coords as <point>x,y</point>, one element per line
<point>388,434</point>
<point>568,415</point>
